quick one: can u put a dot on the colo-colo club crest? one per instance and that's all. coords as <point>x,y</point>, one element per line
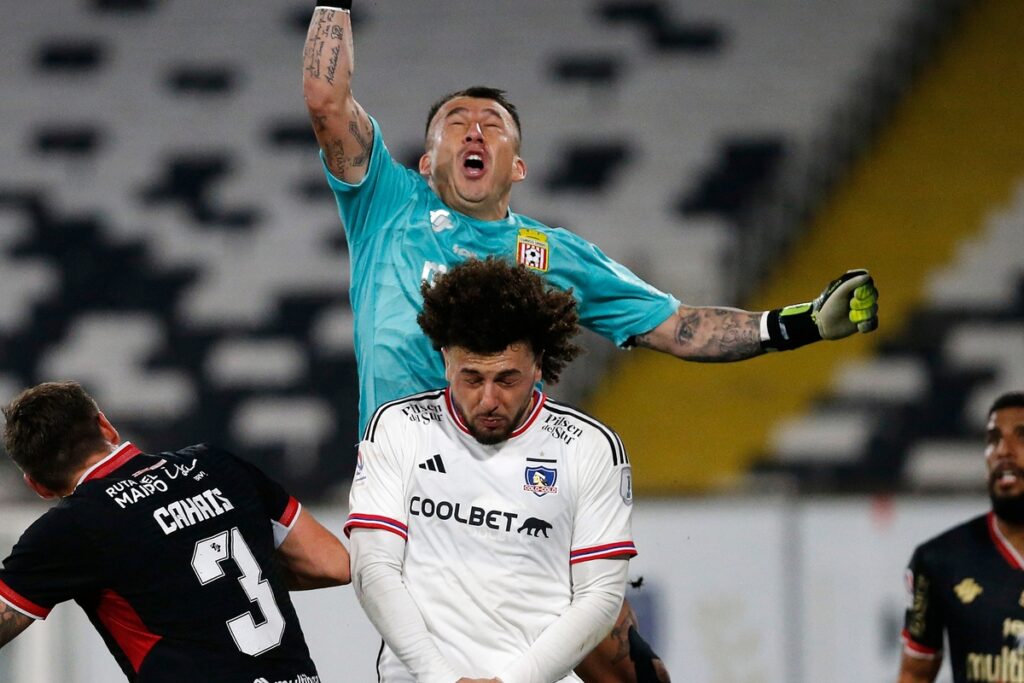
<point>541,480</point>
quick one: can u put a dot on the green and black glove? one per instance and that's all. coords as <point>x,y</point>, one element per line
<point>849,304</point>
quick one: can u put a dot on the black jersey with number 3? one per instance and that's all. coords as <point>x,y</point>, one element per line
<point>968,581</point>
<point>172,558</point>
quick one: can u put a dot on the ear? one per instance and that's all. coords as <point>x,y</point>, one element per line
<point>108,431</point>
<point>518,169</point>
<point>538,371</point>
<point>447,365</point>
<point>42,491</point>
<point>425,165</point>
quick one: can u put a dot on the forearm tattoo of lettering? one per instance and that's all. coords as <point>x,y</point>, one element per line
<point>336,159</point>
<point>325,37</point>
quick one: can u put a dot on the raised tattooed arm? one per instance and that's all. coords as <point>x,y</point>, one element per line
<point>12,622</point>
<point>341,126</point>
<point>707,334</point>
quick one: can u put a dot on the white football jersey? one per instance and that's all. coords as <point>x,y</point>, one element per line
<point>491,531</point>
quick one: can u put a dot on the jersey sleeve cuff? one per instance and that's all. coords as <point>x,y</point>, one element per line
<point>360,521</point>
<point>284,525</point>
<point>600,552</point>
<point>914,649</point>
<point>22,604</point>
<point>627,340</point>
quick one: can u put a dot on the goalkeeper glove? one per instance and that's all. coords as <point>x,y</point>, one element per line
<point>335,4</point>
<point>849,304</point>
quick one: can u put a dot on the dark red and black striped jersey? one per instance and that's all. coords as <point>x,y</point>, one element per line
<point>172,558</point>
<point>969,583</point>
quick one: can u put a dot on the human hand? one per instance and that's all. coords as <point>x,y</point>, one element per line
<point>849,304</point>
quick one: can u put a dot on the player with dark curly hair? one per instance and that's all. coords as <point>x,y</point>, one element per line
<point>487,305</point>
<point>490,525</point>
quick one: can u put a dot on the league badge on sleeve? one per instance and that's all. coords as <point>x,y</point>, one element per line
<point>626,486</point>
<point>532,249</point>
<point>541,480</point>
<point>360,473</point>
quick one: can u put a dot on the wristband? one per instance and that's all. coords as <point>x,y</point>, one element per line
<point>345,5</point>
<point>789,328</point>
<point>643,658</point>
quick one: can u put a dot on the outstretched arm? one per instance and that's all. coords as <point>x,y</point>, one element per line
<point>12,622</point>
<point>717,334</point>
<point>707,334</point>
<point>312,557</point>
<point>341,126</point>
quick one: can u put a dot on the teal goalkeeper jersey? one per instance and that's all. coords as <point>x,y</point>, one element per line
<point>401,233</point>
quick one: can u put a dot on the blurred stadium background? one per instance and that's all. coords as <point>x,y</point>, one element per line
<point>167,238</point>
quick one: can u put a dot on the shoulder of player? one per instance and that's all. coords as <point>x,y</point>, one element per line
<point>201,452</point>
<point>953,541</point>
<point>404,411</point>
<point>75,519</point>
<point>568,423</point>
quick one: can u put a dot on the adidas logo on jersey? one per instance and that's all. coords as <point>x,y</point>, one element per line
<point>433,463</point>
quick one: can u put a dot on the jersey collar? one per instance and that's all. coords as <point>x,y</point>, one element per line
<point>1004,547</point>
<point>539,398</point>
<point>118,457</point>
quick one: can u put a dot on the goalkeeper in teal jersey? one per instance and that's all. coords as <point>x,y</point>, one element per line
<point>400,232</point>
<point>403,226</point>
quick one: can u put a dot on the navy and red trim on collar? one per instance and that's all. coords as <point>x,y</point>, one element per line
<point>539,399</point>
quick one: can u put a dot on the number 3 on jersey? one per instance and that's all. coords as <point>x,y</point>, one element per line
<point>250,637</point>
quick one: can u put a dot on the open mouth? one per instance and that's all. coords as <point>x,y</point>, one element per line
<point>1007,476</point>
<point>473,164</point>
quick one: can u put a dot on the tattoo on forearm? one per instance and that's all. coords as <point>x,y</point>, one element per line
<point>620,634</point>
<point>687,327</point>
<point>322,30</point>
<point>722,334</point>
<point>12,623</point>
<point>365,140</point>
<point>708,334</point>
